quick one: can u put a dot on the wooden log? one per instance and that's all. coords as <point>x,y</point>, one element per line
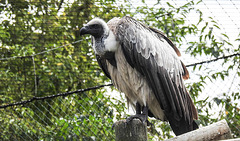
<point>134,130</point>
<point>216,131</point>
<point>237,139</point>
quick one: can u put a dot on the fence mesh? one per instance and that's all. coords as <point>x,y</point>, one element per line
<point>48,73</point>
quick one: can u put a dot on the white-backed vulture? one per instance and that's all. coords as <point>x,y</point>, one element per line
<point>144,64</point>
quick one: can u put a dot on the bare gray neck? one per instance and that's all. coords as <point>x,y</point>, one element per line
<point>99,45</point>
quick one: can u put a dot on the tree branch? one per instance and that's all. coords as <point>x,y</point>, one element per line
<point>216,131</point>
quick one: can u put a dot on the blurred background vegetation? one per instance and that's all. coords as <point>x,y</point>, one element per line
<point>41,54</point>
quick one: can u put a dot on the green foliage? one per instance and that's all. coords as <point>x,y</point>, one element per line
<point>29,27</point>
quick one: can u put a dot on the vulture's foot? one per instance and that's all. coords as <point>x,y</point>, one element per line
<point>141,113</point>
<point>142,117</point>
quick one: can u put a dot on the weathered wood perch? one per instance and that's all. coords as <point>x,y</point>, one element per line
<point>215,131</point>
<point>132,131</point>
<point>136,131</point>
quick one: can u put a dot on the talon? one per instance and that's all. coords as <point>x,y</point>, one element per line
<point>142,117</point>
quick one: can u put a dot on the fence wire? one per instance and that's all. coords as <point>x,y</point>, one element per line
<point>51,87</point>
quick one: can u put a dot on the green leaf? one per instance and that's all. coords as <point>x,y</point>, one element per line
<point>204,27</point>
<point>225,35</point>
<point>170,5</point>
<point>216,26</point>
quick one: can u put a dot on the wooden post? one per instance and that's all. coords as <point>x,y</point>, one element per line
<point>215,131</point>
<point>134,130</point>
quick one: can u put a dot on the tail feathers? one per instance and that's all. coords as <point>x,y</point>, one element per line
<point>183,126</point>
<point>192,108</point>
<point>195,126</point>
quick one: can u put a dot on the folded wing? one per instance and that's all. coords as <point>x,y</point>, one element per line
<point>154,56</point>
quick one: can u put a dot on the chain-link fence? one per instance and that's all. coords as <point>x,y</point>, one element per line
<point>51,87</point>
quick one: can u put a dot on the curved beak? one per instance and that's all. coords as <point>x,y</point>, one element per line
<point>84,30</point>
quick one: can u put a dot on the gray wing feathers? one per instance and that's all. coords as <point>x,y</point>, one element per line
<point>161,35</point>
<point>147,42</point>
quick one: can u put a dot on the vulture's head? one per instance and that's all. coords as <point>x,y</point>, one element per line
<point>96,27</point>
<point>103,40</point>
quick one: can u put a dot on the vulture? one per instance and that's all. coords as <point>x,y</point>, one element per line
<point>144,64</point>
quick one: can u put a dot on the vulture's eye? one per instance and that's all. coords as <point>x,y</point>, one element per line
<point>95,26</point>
